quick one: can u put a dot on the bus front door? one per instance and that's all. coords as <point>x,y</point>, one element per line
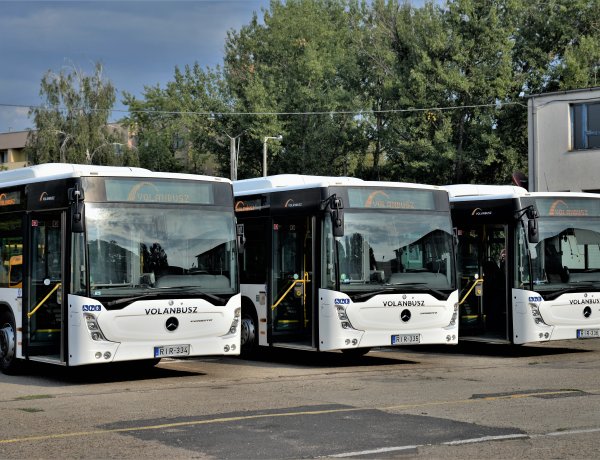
<point>45,307</point>
<point>483,298</point>
<point>292,315</point>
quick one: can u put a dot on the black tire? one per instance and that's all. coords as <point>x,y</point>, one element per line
<point>9,364</point>
<point>249,333</point>
<point>355,352</point>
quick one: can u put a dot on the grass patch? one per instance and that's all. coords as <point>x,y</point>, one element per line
<point>30,397</point>
<point>31,409</point>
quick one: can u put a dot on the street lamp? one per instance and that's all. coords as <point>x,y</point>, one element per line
<point>277,138</point>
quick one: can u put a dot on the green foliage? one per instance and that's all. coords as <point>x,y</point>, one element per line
<point>73,124</point>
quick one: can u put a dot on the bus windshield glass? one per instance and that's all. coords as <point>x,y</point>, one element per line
<point>568,254</point>
<point>140,249</point>
<point>384,248</point>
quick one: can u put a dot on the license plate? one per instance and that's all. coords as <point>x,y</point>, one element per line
<point>402,339</point>
<point>171,350</point>
<point>588,333</point>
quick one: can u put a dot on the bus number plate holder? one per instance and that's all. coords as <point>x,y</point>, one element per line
<point>588,333</point>
<point>403,339</point>
<point>169,351</point>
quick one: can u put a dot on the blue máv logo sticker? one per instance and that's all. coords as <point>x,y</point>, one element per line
<point>535,299</point>
<point>90,308</point>
<point>341,301</point>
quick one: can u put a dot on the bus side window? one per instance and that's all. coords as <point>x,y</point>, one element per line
<point>11,253</point>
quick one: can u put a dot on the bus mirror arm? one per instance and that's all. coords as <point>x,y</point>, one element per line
<point>240,238</point>
<point>336,207</point>
<point>533,235</point>
<point>77,209</point>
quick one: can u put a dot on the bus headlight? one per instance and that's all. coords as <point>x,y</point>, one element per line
<point>236,321</point>
<point>343,317</point>
<point>535,312</point>
<point>454,316</point>
<point>93,327</point>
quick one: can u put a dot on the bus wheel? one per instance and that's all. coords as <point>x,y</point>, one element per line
<point>8,340</point>
<point>356,352</point>
<point>249,336</point>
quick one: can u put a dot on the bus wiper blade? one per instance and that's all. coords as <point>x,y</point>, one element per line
<point>560,292</point>
<point>129,299</point>
<point>395,287</point>
<point>196,291</point>
<point>162,291</point>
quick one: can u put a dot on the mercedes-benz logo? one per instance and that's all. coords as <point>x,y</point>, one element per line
<point>405,315</point>
<point>587,312</point>
<point>172,324</point>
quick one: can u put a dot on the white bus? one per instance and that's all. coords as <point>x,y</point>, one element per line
<point>343,264</point>
<point>528,263</point>
<point>104,264</point>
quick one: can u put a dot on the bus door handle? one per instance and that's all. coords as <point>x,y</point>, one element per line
<point>37,307</point>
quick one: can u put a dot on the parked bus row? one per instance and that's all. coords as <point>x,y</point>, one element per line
<point>106,264</point>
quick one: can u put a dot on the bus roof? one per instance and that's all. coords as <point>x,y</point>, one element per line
<point>466,192</point>
<point>283,182</point>
<point>474,191</point>
<point>52,171</point>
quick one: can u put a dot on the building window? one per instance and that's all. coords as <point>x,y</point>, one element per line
<point>3,156</point>
<point>585,126</point>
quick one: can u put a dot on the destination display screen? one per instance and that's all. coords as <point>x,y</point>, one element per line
<point>568,207</point>
<point>391,198</point>
<point>157,191</point>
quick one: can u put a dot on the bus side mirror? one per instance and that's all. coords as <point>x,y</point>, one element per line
<point>337,217</point>
<point>75,196</point>
<point>77,217</point>
<point>532,231</point>
<point>240,238</point>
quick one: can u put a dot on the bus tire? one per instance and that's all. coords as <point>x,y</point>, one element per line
<point>249,332</point>
<point>356,352</point>
<point>9,364</point>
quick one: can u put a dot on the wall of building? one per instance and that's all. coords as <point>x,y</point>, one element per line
<point>12,149</point>
<point>554,165</point>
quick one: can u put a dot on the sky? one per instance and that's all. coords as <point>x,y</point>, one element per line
<point>139,43</point>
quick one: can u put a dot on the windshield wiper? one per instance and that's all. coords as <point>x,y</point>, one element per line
<point>394,288</point>
<point>165,290</point>
<point>581,287</point>
<point>130,299</point>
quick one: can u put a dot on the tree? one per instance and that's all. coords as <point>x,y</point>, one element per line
<point>72,125</point>
<point>174,126</point>
<point>300,62</point>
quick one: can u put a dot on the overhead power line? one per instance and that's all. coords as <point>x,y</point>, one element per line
<point>319,112</point>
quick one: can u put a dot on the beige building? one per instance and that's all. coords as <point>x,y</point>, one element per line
<point>12,150</point>
<point>564,141</point>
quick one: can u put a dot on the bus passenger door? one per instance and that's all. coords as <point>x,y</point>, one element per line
<point>483,282</point>
<point>292,315</point>
<point>45,306</point>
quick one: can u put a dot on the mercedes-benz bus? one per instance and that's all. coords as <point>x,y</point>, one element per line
<point>336,263</point>
<point>528,263</point>
<point>105,264</point>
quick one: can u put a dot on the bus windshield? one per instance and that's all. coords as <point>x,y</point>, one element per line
<point>386,248</point>
<point>155,247</point>
<point>568,254</point>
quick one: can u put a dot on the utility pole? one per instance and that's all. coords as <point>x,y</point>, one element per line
<point>277,138</point>
<point>234,151</point>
